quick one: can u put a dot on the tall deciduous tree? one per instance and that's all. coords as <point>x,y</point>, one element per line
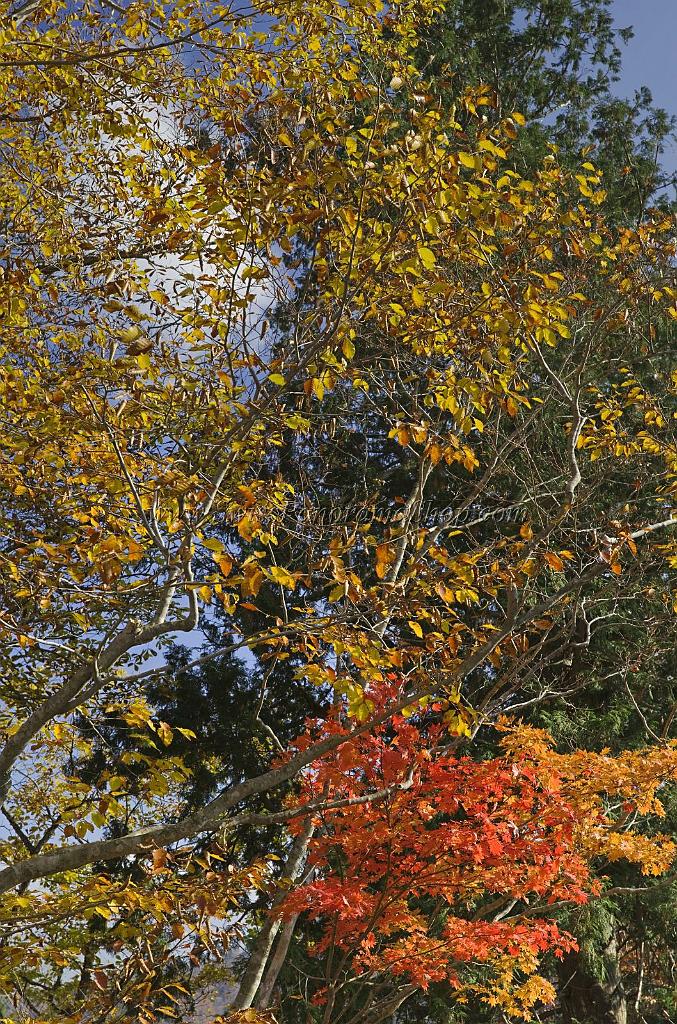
<point>481,342</point>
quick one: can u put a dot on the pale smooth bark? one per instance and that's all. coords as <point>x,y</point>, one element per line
<point>253,975</point>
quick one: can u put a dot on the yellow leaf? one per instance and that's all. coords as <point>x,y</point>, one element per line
<point>467,159</point>
<point>348,348</point>
<point>426,256</point>
<point>415,628</point>
<point>129,334</point>
<point>188,733</point>
<point>457,724</point>
<point>281,576</point>
<point>248,526</point>
<point>165,733</point>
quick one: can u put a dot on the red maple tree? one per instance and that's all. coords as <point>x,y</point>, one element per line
<point>435,867</point>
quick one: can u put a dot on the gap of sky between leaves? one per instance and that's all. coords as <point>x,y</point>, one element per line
<point>649,57</point>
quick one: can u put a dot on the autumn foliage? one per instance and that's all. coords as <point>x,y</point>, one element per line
<point>433,863</point>
<point>282,334</point>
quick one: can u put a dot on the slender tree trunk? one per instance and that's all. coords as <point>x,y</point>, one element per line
<point>265,992</point>
<point>585,999</point>
<point>253,975</point>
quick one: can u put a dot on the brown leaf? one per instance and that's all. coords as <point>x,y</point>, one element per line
<point>159,861</point>
<point>138,347</point>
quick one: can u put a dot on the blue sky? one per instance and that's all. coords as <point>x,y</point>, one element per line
<point>651,57</point>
